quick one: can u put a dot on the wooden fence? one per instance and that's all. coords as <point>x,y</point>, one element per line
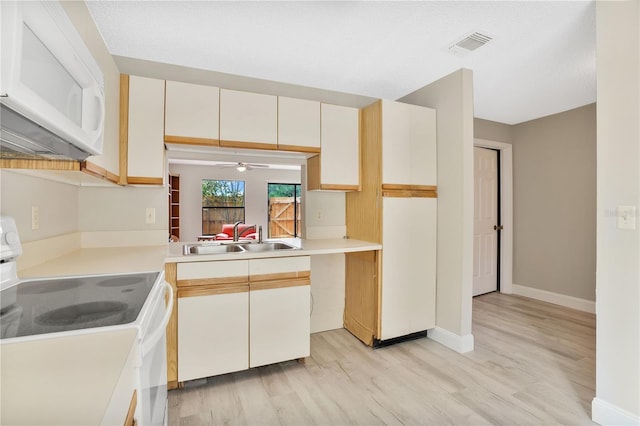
<point>214,217</point>
<point>281,216</point>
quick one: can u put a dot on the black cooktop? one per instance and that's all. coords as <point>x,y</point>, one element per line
<point>63,304</point>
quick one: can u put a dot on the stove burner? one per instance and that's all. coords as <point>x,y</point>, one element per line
<point>48,286</point>
<point>121,281</point>
<point>92,314</point>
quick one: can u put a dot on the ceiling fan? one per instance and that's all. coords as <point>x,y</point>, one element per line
<point>241,166</point>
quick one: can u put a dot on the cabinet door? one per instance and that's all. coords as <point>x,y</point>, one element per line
<point>298,125</point>
<point>280,324</point>
<point>213,334</point>
<point>408,144</point>
<point>248,120</point>
<point>408,265</point>
<point>338,165</point>
<point>191,113</point>
<point>146,131</point>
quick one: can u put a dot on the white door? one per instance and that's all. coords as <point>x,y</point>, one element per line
<point>485,237</point>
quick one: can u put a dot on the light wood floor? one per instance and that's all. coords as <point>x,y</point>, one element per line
<point>533,364</point>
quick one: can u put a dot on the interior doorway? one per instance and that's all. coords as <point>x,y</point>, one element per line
<point>284,210</point>
<point>504,267</point>
<point>486,220</point>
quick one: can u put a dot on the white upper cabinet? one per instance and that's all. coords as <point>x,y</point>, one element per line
<point>298,125</point>
<point>146,155</point>
<point>338,165</point>
<point>192,113</point>
<point>408,144</point>
<point>248,120</point>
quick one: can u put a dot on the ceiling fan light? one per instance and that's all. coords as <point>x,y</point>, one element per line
<point>241,167</point>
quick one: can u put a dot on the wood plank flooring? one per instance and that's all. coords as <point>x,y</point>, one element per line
<point>533,364</point>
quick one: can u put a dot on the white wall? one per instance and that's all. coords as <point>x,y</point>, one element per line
<point>324,213</point>
<point>256,200</point>
<point>617,398</point>
<point>57,203</point>
<point>452,96</point>
<point>122,208</point>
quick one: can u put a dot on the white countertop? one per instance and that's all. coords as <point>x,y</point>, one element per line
<point>108,260</point>
<point>62,381</point>
<point>306,248</point>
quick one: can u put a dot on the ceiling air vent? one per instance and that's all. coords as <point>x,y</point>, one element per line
<point>470,43</point>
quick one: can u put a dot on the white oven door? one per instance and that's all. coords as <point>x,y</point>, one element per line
<point>152,401</point>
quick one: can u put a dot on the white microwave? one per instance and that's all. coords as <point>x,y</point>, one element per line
<point>49,77</point>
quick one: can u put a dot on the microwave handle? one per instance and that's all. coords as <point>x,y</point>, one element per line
<point>149,342</point>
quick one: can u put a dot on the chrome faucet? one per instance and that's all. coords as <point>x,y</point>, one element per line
<point>236,234</point>
<point>235,230</point>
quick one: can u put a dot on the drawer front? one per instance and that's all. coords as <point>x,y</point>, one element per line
<point>279,268</point>
<point>227,270</point>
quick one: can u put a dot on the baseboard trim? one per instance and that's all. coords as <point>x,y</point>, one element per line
<point>555,298</point>
<point>605,413</point>
<point>460,344</point>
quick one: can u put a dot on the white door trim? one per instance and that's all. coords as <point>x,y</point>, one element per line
<point>506,210</point>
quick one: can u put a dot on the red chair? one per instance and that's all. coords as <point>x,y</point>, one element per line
<point>244,231</point>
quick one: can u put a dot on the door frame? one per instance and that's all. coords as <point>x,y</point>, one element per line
<point>505,151</point>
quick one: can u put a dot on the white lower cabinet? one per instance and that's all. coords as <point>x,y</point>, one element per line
<point>233,315</point>
<point>213,335</point>
<point>280,324</point>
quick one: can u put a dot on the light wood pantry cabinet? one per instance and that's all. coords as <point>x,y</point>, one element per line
<point>298,125</point>
<point>398,210</point>
<point>248,120</point>
<point>213,318</point>
<point>142,130</point>
<point>192,114</point>
<point>235,314</point>
<point>338,165</point>
<point>279,297</point>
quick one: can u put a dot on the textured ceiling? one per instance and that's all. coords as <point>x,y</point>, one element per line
<point>541,59</point>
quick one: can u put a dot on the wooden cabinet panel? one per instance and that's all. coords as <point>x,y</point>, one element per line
<point>248,120</point>
<point>361,298</point>
<point>213,335</point>
<point>145,141</point>
<point>191,113</point>
<point>338,165</point>
<point>280,324</point>
<point>408,266</point>
<point>408,144</point>
<point>298,125</point>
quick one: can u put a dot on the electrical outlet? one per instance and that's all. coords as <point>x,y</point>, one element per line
<point>150,216</point>
<point>35,217</point>
<point>318,214</point>
<point>626,217</point>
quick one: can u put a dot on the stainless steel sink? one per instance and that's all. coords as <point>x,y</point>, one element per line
<point>220,248</point>
<point>261,247</point>
<point>212,248</point>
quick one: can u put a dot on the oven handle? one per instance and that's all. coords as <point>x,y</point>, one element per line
<point>156,335</point>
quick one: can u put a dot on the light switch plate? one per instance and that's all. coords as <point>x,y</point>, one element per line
<point>151,215</point>
<point>626,217</point>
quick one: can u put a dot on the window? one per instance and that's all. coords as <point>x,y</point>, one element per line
<point>222,202</point>
<point>284,210</point>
